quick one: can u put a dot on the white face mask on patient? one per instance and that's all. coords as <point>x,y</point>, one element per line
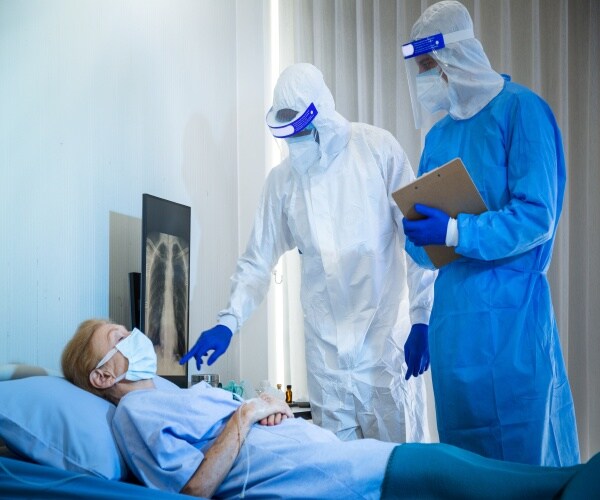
<point>139,351</point>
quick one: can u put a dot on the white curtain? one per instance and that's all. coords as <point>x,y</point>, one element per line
<point>552,47</point>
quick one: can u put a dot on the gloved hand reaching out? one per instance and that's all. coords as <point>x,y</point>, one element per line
<point>416,350</point>
<point>216,339</point>
<point>428,231</point>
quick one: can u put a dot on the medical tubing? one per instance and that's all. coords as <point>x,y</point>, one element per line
<point>243,495</point>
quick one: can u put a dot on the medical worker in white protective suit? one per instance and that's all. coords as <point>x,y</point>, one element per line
<point>499,380</point>
<point>331,199</point>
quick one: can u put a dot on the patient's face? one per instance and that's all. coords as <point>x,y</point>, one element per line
<point>104,339</point>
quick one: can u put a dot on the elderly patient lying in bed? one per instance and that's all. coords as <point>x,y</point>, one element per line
<point>202,441</point>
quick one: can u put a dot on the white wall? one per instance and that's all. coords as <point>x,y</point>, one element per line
<point>99,103</point>
<point>253,99</point>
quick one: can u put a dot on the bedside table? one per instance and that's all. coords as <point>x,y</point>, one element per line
<point>301,412</point>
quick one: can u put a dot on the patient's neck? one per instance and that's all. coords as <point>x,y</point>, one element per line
<point>117,391</point>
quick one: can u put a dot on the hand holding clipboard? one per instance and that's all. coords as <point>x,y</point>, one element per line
<point>448,188</point>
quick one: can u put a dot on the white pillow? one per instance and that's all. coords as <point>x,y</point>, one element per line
<point>52,422</point>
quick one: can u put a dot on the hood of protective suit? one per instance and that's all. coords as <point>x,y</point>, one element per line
<point>300,85</point>
<point>472,83</point>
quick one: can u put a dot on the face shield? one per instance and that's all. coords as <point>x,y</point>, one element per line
<point>288,122</point>
<point>298,133</point>
<point>427,78</point>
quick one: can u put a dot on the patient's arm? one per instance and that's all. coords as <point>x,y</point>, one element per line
<point>218,460</point>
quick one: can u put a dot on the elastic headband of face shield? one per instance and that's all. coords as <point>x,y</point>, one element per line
<point>434,42</point>
<point>285,123</point>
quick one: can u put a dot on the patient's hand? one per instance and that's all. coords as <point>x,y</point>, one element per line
<point>266,410</point>
<point>219,458</point>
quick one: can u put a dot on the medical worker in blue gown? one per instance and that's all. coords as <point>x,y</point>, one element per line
<point>499,380</point>
<point>366,304</point>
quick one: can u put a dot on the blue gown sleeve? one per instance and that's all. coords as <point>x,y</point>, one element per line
<point>530,216</point>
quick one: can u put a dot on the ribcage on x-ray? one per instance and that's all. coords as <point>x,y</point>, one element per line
<point>167,293</point>
<point>180,294</point>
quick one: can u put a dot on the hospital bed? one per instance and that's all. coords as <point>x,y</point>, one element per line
<point>56,442</point>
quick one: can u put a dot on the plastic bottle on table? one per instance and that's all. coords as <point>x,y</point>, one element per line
<point>280,393</point>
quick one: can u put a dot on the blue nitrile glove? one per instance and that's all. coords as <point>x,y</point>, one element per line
<point>428,231</point>
<point>416,350</point>
<point>216,339</point>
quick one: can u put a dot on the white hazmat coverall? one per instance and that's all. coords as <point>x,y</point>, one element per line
<point>360,291</point>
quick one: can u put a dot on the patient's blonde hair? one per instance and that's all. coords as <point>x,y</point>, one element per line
<point>78,360</point>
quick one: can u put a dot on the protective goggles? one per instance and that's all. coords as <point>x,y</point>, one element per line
<point>285,125</point>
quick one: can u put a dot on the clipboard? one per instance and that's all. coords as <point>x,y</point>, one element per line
<point>448,188</point>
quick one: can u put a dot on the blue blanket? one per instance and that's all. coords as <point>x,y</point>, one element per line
<point>443,471</point>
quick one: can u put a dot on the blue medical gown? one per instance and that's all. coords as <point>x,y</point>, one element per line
<point>164,434</point>
<point>499,380</point>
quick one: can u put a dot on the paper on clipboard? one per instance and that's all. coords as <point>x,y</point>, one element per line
<point>448,188</point>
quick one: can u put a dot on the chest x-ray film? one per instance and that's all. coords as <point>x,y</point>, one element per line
<point>165,283</point>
